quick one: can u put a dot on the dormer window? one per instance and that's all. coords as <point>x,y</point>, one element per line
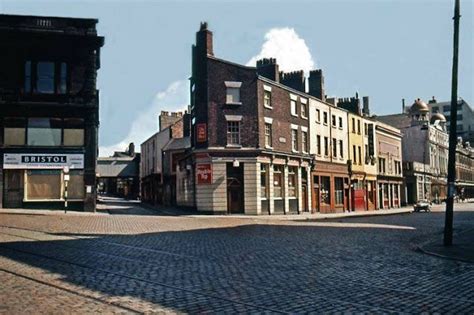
<point>233,92</point>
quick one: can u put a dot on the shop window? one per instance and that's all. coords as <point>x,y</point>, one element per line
<point>292,181</point>
<point>63,78</point>
<point>75,187</point>
<point>43,185</point>
<point>264,181</point>
<point>14,131</point>
<point>73,132</point>
<point>44,132</point>
<point>277,181</point>
<point>325,189</point>
<point>339,190</point>
<point>28,77</point>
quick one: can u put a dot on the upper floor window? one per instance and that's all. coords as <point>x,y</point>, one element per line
<point>318,145</point>
<point>294,139</point>
<point>44,131</point>
<point>340,122</point>
<point>333,120</point>
<point>233,92</point>
<point>326,146</point>
<point>353,125</point>
<point>334,147</point>
<point>318,115</point>
<point>293,108</point>
<point>434,109</point>
<point>325,118</point>
<point>304,141</point>
<point>268,135</point>
<point>382,165</point>
<point>358,126</point>
<point>45,77</point>
<point>341,148</point>
<point>267,98</point>
<point>366,129</point>
<point>304,113</point>
<point>233,132</point>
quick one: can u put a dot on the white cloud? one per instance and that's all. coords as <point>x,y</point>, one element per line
<point>174,98</point>
<point>288,48</point>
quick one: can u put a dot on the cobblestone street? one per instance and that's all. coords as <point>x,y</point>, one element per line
<point>130,259</point>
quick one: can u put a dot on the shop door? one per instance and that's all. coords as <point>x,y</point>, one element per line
<point>234,196</point>
<point>304,192</point>
<point>235,188</point>
<point>13,189</point>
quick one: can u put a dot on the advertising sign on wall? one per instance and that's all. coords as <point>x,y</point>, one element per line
<point>201,132</point>
<point>204,174</point>
<point>42,161</point>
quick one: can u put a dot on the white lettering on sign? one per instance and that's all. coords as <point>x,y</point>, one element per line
<point>41,161</point>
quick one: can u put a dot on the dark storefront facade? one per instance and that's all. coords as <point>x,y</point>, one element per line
<point>49,112</point>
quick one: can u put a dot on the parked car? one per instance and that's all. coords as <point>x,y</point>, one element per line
<point>422,204</point>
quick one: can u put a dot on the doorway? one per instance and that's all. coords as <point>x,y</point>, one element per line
<point>13,189</point>
<point>235,188</point>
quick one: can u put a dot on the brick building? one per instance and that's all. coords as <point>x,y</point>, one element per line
<point>250,136</point>
<point>49,111</point>
<point>159,155</point>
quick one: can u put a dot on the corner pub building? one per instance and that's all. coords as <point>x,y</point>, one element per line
<point>48,111</point>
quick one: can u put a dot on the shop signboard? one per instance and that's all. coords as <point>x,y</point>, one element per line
<point>204,174</point>
<point>42,161</point>
<point>201,132</point>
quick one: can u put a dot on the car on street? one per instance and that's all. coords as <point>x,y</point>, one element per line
<point>422,204</point>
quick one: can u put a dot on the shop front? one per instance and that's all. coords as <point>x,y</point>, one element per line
<point>330,188</point>
<point>43,180</point>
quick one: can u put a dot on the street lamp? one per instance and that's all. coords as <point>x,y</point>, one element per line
<point>66,180</point>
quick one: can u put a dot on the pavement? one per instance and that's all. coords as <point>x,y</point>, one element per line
<point>151,262</point>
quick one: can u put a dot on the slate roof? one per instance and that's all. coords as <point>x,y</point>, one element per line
<point>400,121</point>
<point>178,144</point>
<point>118,167</point>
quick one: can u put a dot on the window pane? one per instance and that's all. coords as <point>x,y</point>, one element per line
<point>277,181</point>
<point>43,185</point>
<point>45,77</point>
<point>63,78</point>
<point>28,76</point>
<point>75,186</point>
<point>44,132</point>
<point>233,95</point>
<point>14,136</point>
<point>73,137</point>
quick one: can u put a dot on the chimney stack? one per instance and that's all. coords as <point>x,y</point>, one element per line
<point>204,40</point>
<point>365,108</point>
<point>268,68</point>
<point>294,80</point>
<point>403,106</point>
<point>316,84</point>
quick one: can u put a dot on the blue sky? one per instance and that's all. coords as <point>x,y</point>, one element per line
<point>388,50</point>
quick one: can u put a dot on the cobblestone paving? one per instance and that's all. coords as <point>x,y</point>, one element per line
<point>180,264</point>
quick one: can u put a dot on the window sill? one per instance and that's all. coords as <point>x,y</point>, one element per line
<point>268,107</point>
<point>304,117</point>
<point>294,151</point>
<point>234,146</point>
<point>268,147</point>
<point>233,103</point>
<point>294,115</point>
